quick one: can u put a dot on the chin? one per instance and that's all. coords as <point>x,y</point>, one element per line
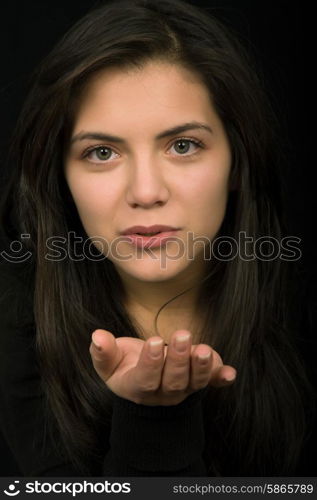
<point>151,271</point>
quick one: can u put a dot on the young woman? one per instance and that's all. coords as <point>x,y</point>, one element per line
<point>136,340</point>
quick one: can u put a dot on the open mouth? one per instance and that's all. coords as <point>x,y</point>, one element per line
<point>151,240</point>
<point>148,234</point>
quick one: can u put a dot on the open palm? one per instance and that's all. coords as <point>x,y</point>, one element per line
<point>146,372</point>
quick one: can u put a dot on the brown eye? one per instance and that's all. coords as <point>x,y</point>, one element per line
<point>99,154</point>
<point>182,146</point>
<point>102,153</point>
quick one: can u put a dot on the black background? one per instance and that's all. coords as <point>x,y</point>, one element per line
<point>279,34</point>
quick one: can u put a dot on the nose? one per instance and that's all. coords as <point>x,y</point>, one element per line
<point>147,186</point>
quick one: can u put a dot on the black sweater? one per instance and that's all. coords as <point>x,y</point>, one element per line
<point>143,440</point>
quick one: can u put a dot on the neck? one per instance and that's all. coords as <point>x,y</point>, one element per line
<point>144,299</point>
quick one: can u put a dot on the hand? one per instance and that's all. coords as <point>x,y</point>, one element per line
<point>148,373</point>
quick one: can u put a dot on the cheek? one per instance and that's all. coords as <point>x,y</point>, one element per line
<point>92,195</point>
<point>208,195</point>
<point>209,188</point>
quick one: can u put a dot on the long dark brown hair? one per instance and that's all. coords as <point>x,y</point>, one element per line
<point>258,425</point>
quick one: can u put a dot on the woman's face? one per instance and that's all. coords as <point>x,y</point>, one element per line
<point>149,177</point>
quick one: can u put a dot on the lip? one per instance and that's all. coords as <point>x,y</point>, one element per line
<point>166,233</point>
<point>149,229</point>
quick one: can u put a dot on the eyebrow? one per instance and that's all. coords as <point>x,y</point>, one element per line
<point>171,131</point>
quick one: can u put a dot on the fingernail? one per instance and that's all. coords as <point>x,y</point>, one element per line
<point>97,346</point>
<point>155,348</point>
<point>181,342</point>
<point>204,357</point>
<point>229,378</point>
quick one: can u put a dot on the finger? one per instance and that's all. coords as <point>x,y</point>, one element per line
<point>221,375</point>
<point>226,375</point>
<point>208,367</point>
<point>105,353</point>
<point>176,373</point>
<point>147,373</point>
<point>202,359</point>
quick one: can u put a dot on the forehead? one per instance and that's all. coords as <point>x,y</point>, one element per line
<point>158,89</point>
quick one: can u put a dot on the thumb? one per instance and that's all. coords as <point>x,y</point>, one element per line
<point>105,353</point>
